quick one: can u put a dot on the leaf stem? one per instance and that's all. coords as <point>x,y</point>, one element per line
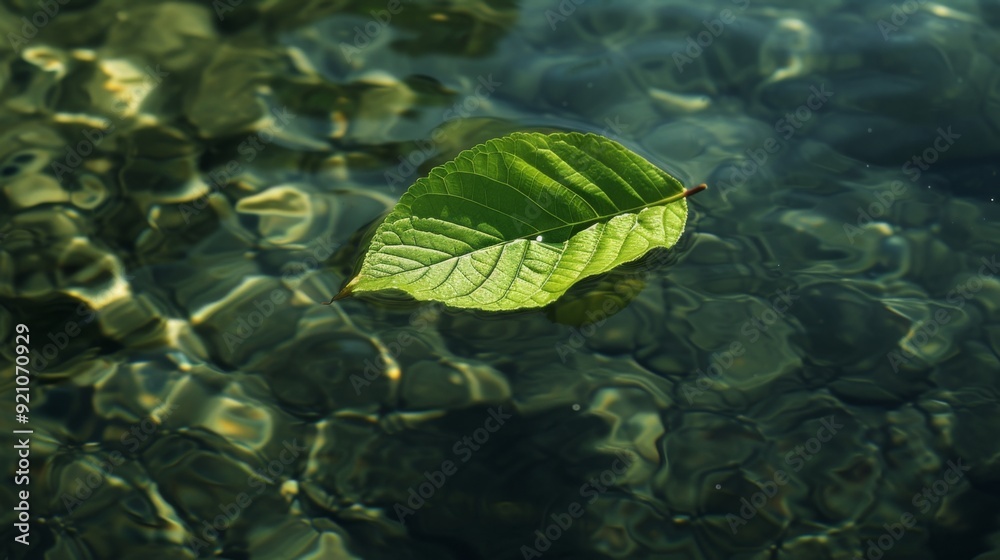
<point>694,190</point>
<point>685,194</point>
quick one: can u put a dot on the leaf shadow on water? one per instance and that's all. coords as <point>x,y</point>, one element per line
<point>347,260</point>
<point>597,298</point>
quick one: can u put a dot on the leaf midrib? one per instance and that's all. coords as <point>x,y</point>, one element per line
<point>589,222</point>
<point>606,217</point>
<point>661,202</point>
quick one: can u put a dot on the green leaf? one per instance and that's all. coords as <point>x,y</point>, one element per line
<point>514,222</point>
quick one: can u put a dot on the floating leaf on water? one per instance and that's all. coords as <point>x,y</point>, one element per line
<point>515,222</point>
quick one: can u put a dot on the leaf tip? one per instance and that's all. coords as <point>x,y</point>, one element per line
<point>346,291</point>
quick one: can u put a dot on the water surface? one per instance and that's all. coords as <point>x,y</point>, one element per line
<point>811,373</point>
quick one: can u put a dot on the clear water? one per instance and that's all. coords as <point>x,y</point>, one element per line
<point>812,373</point>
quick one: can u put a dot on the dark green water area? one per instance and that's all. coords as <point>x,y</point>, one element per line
<point>812,372</point>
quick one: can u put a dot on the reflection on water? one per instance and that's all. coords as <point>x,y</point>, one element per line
<point>811,373</point>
